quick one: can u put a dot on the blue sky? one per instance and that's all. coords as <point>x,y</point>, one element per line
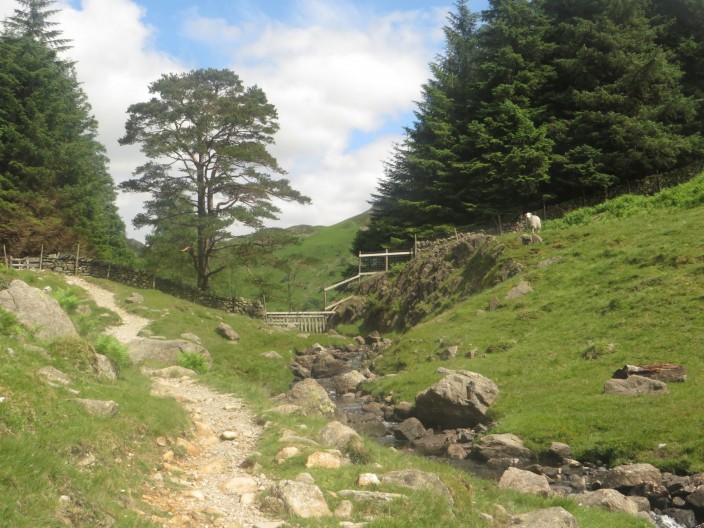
<point>343,76</point>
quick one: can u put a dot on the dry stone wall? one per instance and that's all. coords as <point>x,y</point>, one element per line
<point>67,264</point>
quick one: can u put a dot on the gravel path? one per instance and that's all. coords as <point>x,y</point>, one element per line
<point>205,487</point>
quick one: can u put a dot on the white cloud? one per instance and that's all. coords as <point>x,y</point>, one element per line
<point>333,72</point>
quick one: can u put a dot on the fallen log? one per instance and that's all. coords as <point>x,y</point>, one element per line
<point>659,371</point>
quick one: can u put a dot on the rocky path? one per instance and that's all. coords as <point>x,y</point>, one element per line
<point>200,483</point>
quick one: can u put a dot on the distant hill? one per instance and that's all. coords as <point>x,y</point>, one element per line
<point>330,246</point>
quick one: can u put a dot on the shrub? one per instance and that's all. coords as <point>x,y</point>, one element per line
<point>109,346</point>
<point>193,361</point>
<point>8,323</point>
<point>67,299</point>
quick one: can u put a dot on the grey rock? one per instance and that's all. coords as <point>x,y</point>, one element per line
<point>525,482</point>
<point>409,430</point>
<point>376,497</point>
<point>336,434</point>
<point>460,399</point>
<point>301,498</point>
<point>226,331</point>
<point>521,290</point>
<point>54,376</point>
<point>164,352</point>
<point>106,367</point>
<point>311,397</point>
<point>630,476</point>
<point>608,499</point>
<point>418,480</point>
<point>190,337</point>
<point>548,518</point>
<point>635,386</point>
<point>348,382</point>
<point>37,311</point>
<point>135,298</point>
<point>104,409</point>
<point>271,355</point>
<point>500,446</point>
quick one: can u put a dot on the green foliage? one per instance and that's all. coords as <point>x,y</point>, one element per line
<point>8,323</point>
<point>55,188</point>
<point>67,298</point>
<point>218,131</point>
<point>543,100</point>
<point>193,361</point>
<point>112,348</point>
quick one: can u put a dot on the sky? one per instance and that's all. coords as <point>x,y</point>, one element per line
<point>344,77</point>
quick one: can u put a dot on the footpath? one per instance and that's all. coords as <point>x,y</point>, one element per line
<point>201,483</point>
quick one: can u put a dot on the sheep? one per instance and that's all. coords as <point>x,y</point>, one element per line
<point>533,222</point>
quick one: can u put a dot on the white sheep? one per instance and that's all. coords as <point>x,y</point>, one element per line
<point>533,222</point>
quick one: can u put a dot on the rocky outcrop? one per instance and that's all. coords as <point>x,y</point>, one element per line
<point>460,399</point>
<point>164,352</point>
<point>37,311</point>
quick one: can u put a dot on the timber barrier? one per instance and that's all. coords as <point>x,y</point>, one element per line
<point>314,322</point>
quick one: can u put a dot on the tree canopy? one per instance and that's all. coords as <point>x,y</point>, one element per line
<point>206,136</point>
<point>55,189</point>
<point>537,99</point>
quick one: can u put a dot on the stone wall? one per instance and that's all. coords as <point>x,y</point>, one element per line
<point>139,279</point>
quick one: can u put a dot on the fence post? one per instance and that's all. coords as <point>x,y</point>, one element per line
<point>387,260</point>
<point>41,257</point>
<point>4,253</point>
<point>78,252</point>
<point>360,262</point>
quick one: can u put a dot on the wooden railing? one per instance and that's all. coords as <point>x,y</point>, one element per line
<point>314,322</point>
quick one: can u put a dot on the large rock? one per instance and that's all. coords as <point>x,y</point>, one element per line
<point>418,480</point>
<point>106,368</point>
<point>635,386</point>
<point>54,376</point>
<point>226,331</point>
<point>500,446</point>
<point>348,382</point>
<point>525,482</point>
<point>409,430</point>
<point>609,499</point>
<point>301,498</point>
<point>460,399</point>
<point>337,435</point>
<point>164,352</point>
<point>629,476</point>
<point>548,518</point>
<point>311,397</point>
<point>101,408</point>
<point>37,311</point>
<point>326,366</point>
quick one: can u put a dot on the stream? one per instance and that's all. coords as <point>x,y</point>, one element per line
<point>341,370</point>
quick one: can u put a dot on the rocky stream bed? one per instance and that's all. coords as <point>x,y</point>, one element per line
<point>454,429</point>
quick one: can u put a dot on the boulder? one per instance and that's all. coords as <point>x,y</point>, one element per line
<point>104,409</point>
<point>348,382</point>
<point>54,376</point>
<point>190,337</point>
<point>556,517</point>
<point>226,331</point>
<point>521,290</point>
<point>326,366</point>
<point>164,352</point>
<point>460,399</point>
<point>418,480</point>
<point>37,311</point>
<point>409,430</point>
<point>629,476</point>
<point>324,460</point>
<point>374,497</point>
<point>301,498</point>
<point>525,482</point>
<point>337,435</point>
<point>106,367</point>
<point>432,445</point>
<point>135,298</point>
<point>635,386</point>
<point>311,397</point>
<point>608,499</point>
<point>500,446</point>
<point>272,354</point>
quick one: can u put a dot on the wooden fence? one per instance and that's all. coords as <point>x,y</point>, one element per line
<point>314,322</point>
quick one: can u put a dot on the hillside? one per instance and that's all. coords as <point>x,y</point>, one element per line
<point>60,465</point>
<point>318,260</point>
<point>612,285</point>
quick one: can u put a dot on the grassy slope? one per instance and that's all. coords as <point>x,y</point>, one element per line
<point>43,433</point>
<point>628,288</point>
<point>330,244</point>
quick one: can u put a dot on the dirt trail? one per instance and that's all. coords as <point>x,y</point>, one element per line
<point>206,487</point>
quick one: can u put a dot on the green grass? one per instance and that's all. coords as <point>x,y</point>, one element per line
<point>627,289</point>
<point>329,244</point>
